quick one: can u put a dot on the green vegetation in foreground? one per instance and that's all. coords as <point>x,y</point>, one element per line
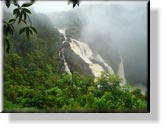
<point>73,93</point>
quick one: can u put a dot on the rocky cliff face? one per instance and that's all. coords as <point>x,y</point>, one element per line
<point>77,56</point>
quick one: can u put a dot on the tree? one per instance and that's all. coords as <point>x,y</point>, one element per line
<point>21,14</point>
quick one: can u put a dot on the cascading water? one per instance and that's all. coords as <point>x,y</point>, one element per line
<point>61,53</point>
<point>83,50</point>
<point>95,62</point>
<point>121,72</point>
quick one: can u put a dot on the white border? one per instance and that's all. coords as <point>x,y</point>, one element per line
<point>158,83</point>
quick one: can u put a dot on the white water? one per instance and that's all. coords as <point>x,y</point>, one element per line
<point>62,31</point>
<point>83,50</point>
<point>121,72</point>
<point>86,54</point>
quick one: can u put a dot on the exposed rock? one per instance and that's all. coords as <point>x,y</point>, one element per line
<point>77,56</point>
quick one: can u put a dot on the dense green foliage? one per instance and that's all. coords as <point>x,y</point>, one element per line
<point>33,81</point>
<point>20,15</point>
<point>32,84</point>
<point>51,92</point>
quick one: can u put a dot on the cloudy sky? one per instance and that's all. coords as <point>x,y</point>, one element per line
<point>50,6</point>
<point>58,6</point>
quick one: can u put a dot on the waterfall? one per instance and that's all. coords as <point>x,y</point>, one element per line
<point>121,72</point>
<point>95,62</point>
<point>62,31</point>
<point>83,50</point>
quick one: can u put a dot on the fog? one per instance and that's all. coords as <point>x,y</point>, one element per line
<point>112,29</point>
<point>119,29</point>
<point>120,25</point>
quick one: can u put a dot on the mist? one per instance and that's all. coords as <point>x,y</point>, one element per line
<point>119,25</point>
<point>91,58</point>
<point>119,30</point>
<point>111,29</point>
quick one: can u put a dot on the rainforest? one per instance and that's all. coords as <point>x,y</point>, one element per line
<point>81,60</point>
